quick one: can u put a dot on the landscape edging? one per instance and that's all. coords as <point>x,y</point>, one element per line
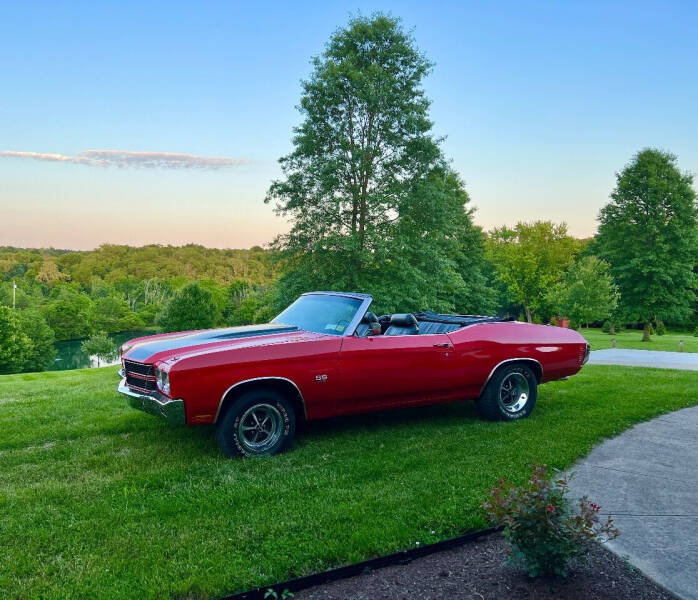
<point>403,557</point>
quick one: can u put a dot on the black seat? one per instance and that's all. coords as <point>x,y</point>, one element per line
<point>367,322</point>
<point>403,324</point>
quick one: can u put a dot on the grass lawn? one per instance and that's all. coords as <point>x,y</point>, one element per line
<point>101,501</point>
<point>632,339</point>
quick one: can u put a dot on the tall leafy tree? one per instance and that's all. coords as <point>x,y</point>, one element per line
<point>42,337</point>
<point>648,234</point>
<point>191,307</point>
<point>586,293</point>
<point>529,258</point>
<point>373,205</point>
<point>15,346</point>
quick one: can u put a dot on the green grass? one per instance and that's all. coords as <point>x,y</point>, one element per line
<point>101,501</point>
<point>632,339</point>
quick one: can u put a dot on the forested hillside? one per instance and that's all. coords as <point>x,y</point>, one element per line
<point>117,264</point>
<point>62,295</point>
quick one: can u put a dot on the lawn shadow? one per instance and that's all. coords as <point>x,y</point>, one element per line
<point>430,416</point>
<point>200,440</point>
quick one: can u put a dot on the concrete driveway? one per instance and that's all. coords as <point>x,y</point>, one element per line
<point>645,358</point>
<point>647,479</point>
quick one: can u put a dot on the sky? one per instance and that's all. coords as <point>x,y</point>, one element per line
<point>146,122</point>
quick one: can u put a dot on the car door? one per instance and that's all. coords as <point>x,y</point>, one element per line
<point>382,371</point>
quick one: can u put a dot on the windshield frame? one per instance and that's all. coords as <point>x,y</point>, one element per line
<point>366,300</point>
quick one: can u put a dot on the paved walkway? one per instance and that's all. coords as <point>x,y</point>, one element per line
<point>645,358</point>
<point>647,479</point>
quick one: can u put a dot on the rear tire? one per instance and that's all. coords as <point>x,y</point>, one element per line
<point>510,394</point>
<point>259,423</point>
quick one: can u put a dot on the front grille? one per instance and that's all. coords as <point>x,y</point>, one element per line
<point>140,376</point>
<point>139,368</point>
<point>149,385</point>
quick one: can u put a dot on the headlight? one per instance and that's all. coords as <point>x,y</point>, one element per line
<point>163,381</point>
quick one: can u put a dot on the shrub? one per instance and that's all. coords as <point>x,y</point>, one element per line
<point>612,327</point>
<point>695,333</point>
<point>661,328</point>
<point>192,307</point>
<point>101,346</point>
<point>545,529</point>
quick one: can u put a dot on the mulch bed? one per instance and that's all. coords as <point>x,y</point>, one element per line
<point>475,571</point>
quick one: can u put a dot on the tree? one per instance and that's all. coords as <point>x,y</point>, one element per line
<point>67,319</point>
<point>50,274</point>
<point>100,346</point>
<point>111,315</point>
<point>22,299</point>
<point>529,259</point>
<point>15,346</point>
<point>587,292</point>
<point>648,234</point>
<point>192,307</point>
<point>42,337</point>
<point>373,204</point>
<point>67,313</point>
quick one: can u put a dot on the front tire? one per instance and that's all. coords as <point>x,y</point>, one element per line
<point>258,423</point>
<point>510,394</point>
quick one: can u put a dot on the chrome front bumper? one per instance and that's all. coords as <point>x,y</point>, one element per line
<point>160,406</point>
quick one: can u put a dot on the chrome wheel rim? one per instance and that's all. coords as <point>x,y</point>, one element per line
<point>260,427</point>
<point>513,392</point>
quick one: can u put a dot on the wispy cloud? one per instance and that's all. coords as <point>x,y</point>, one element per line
<point>133,159</point>
<point>43,156</point>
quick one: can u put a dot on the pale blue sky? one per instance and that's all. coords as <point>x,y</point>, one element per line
<point>540,102</point>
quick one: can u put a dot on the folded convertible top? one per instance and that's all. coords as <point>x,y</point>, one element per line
<point>461,320</point>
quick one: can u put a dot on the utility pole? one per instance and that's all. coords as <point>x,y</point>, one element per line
<point>14,293</point>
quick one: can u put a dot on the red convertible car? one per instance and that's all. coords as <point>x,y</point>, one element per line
<point>328,355</point>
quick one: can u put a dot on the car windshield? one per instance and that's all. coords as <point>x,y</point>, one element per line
<point>321,313</point>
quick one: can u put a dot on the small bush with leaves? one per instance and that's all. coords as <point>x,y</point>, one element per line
<point>545,529</point>
<point>661,328</point>
<point>606,327</point>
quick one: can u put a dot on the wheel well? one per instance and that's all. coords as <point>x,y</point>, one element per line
<point>531,363</point>
<point>282,386</point>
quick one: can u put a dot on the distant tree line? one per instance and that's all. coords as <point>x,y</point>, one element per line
<point>65,295</point>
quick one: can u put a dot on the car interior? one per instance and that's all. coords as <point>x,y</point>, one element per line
<point>420,323</point>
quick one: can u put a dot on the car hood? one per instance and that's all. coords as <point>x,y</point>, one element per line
<point>161,347</point>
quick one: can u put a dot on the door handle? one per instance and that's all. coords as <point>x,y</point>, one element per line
<point>444,345</point>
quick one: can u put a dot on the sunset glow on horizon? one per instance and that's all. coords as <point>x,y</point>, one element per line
<point>163,124</point>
